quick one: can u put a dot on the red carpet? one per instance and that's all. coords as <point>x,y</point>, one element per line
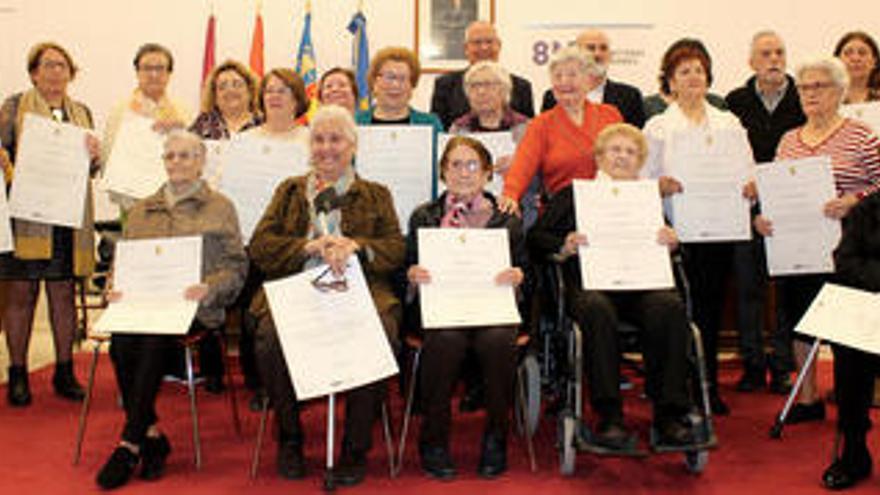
<point>37,447</point>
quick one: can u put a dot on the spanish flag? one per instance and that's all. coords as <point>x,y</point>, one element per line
<point>257,43</point>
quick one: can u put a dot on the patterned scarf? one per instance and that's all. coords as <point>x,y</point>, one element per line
<point>473,214</point>
<point>325,223</point>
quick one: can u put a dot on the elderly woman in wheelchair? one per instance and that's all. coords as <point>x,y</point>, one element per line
<point>660,315</point>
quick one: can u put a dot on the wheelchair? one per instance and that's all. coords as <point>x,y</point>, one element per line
<point>562,369</point>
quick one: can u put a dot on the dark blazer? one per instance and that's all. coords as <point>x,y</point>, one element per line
<point>765,128</point>
<point>449,101</point>
<point>627,99</point>
<point>857,257</point>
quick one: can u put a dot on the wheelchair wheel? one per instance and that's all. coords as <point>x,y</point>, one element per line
<point>532,376</point>
<point>696,461</point>
<point>567,450</point>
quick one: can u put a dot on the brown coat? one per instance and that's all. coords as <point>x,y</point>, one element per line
<point>211,215</point>
<point>368,217</point>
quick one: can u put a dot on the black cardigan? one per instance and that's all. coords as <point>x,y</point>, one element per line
<point>765,129</point>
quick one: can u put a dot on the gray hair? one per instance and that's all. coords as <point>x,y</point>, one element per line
<point>191,139</point>
<point>764,33</point>
<point>830,65</point>
<point>337,116</point>
<point>585,60</point>
<point>498,72</point>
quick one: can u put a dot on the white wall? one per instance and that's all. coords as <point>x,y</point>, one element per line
<point>104,34</point>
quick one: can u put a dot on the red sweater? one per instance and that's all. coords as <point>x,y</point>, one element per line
<point>558,148</point>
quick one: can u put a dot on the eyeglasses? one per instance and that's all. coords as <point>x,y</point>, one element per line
<point>234,84</point>
<point>338,285</point>
<point>283,90</point>
<point>483,85</point>
<point>392,78</point>
<point>482,41</point>
<point>54,64</point>
<point>816,86</point>
<point>170,156</point>
<point>155,69</point>
<point>472,166</point>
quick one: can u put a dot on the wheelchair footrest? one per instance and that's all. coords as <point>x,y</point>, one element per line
<point>586,442</point>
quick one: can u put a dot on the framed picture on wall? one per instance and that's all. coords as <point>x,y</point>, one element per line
<point>440,27</point>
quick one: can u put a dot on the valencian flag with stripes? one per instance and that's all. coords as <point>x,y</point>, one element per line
<point>360,58</point>
<point>305,63</point>
<point>208,59</point>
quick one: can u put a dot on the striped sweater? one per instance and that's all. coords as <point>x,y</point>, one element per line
<point>855,156</point>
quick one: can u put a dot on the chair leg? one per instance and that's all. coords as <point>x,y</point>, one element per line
<point>233,397</point>
<point>407,412</point>
<point>86,405</point>
<point>261,431</point>
<point>389,439</point>
<point>191,388</point>
<point>523,408</point>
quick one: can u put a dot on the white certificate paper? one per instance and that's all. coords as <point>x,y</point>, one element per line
<point>868,113</point>
<point>152,275</point>
<point>845,316</point>
<point>712,168</point>
<point>400,158</point>
<point>793,194</point>
<point>134,167</point>
<point>51,173</point>
<point>6,244</point>
<point>332,341</point>
<point>500,145</point>
<point>215,153</point>
<point>463,264</point>
<point>253,166</point>
<point>621,220</point>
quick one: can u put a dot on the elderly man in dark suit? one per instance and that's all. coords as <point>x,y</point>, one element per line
<point>481,43</point>
<point>627,99</point>
<point>768,106</point>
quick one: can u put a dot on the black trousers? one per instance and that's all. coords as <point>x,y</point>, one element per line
<point>795,293</point>
<point>442,354</point>
<point>362,404</point>
<point>140,361</point>
<point>854,375</point>
<point>707,266</point>
<point>662,322</point>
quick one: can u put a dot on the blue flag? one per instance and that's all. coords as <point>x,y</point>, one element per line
<point>305,64</point>
<point>360,58</point>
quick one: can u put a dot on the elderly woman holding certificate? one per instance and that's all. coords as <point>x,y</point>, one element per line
<point>326,216</point>
<point>51,253</point>
<point>854,150</point>
<point>660,313</point>
<point>559,142</point>
<point>701,156</point>
<point>183,206</point>
<point>465,167</point>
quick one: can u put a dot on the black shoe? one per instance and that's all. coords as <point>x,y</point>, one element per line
<point>718,406</point>
<point>19,393</point>
<point>673,432</point>
<point>752,380</point>
<point>65,384</point>
<point>291,464</point>
<point>780,383</point>
<point>843,474</point>
<point>436,463</point>
<point>154,452</point>
<point>118,469</point>
<point>352,469</point>
<point>801,413</point>
<point>214,384</point>
<point>612,434</point>
<point>493,458</point>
